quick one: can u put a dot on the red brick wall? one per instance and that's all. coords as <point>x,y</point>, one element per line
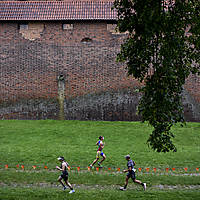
<point>63,0</point>
<point>30,68</point>
<point>193,87</point>
<point>96,87</point>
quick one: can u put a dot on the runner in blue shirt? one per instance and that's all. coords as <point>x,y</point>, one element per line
<point>100,145</point>
<point>131,174</point>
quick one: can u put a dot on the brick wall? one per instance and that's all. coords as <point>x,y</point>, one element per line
<point>84,53</point>
<point>62,0</point>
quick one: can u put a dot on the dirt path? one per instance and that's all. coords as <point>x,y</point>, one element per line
<point>104,172</point>
<point>102,187</point>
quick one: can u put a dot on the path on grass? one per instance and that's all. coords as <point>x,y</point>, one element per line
<point>106,172</point>
<point>101,187</point>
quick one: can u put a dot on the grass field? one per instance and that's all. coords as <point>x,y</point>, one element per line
<point>39,143</point>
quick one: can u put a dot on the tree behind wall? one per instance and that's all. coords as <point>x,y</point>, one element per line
<point>162,50</point>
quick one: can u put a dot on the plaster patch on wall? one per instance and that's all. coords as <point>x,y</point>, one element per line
<point>112,28</point>
<point>68,26</point>
<point>33,31</point>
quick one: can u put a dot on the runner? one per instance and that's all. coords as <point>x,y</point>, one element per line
<point>64,174</point>
<point>99,152</point>
<point>131,174</point>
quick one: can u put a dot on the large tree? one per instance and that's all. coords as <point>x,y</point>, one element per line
<point>161,50</point>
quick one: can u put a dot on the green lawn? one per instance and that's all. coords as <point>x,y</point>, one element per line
<point>40,194</point>
<point>39,143</point>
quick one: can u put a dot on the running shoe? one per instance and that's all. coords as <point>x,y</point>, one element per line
<point>64,188</point>
<point>122,188</point>
<point>72,191</point>
<point>100,165</point>
<point>145,186</point>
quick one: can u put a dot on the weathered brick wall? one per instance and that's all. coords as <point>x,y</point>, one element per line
<point>96,87</point>
<point>62,0</point>
<point>193,87</point>
<point>192,94</point>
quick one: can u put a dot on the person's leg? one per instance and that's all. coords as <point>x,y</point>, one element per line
<point>140,182</point>
<point>126,183</point>
<point>68,184</point>
<point>60,181</point>
<point>97,158</point>
<point>94,161</point>
<point>137,181</point>
<point>104,157</point>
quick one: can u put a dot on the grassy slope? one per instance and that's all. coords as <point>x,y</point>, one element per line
<point>40,142</point>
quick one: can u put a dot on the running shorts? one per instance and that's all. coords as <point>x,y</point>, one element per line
<point>99,153</point>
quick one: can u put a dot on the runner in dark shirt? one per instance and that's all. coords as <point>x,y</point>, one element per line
<point>131,174</point>
<point>64,174</point>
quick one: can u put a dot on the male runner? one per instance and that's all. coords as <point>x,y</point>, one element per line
<point>99,152</point>
<point>131,174</point>
<point>64,174</point>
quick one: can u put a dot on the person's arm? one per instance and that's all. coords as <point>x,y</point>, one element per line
<point>128,170</point>
<point>63,167</point>
<point>97,143</point>
<point>58,168</point>
<point>102,145</point>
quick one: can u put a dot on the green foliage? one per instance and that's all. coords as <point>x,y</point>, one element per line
<point>161,54</point>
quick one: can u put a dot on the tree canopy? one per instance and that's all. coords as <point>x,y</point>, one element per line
<point>161,50</point>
